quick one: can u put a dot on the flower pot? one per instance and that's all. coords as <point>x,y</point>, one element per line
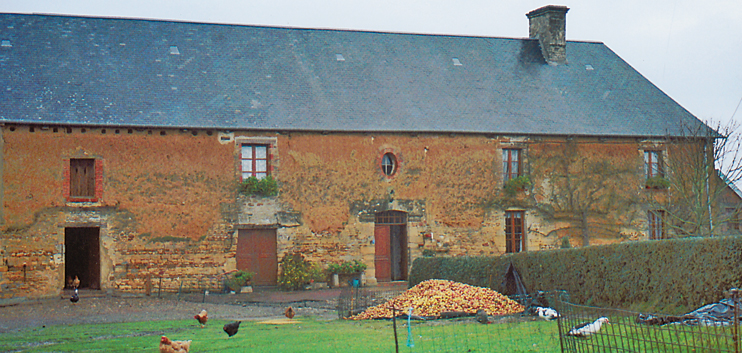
<point>335,280</point>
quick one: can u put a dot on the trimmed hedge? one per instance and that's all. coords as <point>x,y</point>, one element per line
<point>672,275</point>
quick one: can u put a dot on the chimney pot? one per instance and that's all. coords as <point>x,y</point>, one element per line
<point>548,25</point>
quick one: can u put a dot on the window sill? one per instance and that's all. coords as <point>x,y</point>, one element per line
<point>655,188</point>
<point>75,199</point>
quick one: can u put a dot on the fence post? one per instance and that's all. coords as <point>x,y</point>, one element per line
<point>560,308</point>
<point>735,331</point>
<point>394,324</point>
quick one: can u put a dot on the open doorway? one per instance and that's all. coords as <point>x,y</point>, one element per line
<point>82,256</point>
<point>390,238</point>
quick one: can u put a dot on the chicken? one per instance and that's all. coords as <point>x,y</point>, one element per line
<point>231,328</point>
<point>169,346</point>
<point>76,283</point>
<point>588,328</point>
<point>547,313</point>
<point>482,317</point>
<point>202,318</point>
<point>289,312</point>
<point>75,297</point>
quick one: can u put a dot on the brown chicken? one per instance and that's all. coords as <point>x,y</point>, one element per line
<point>289,312</point>
<point>202,318</point>
<point>169,346</point>
<point>76,283</point>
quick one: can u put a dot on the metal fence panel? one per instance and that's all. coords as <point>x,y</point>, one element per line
<point>625,333</point>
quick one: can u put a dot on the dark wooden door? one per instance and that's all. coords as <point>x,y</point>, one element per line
<point>383,259</point>
<point>257,253</point>
<point>398,244</point>
<point>82,255</point>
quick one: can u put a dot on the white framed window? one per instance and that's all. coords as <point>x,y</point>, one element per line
<point>511,164</point>
<point>656,224</point>
<point>255,161</point>
<point>514,231</point>
<point>389,164</point>
<point>653,164</point>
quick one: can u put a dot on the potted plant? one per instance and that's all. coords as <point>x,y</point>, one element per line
<point>347,271</point>
<point>239,281</point>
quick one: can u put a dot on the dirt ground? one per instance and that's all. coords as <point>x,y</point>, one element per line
<point>96,307</point>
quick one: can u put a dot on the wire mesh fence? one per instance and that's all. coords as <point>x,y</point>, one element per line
<point>503,333</point>
<point>161,285</point>
<point>620,331</point>
<point>511,333</point>
<point>627,331</point>
<point>355,299</point>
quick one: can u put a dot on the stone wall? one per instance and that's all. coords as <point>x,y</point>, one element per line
<point>166,208</point>
<point>170,209</point>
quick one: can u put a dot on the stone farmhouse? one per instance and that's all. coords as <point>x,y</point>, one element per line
<point>124,144</point>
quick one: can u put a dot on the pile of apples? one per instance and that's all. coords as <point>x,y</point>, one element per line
<point>433,297</point>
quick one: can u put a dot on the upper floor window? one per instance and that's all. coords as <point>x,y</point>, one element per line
<point>653,164</point>
<point>389,164</point>
<point>255,161</point>
<point>82,178</point>
<point>656,220</point>
<point>514,221</point>
<point>734,223</point>
<point>511,164</point>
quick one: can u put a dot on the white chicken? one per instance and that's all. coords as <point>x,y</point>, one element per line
<point>547,313</point>
<point>588,328</point>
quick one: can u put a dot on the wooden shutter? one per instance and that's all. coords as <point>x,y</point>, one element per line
<point>83,180</point>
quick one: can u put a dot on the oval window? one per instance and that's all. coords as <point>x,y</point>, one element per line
<point>389,164</point>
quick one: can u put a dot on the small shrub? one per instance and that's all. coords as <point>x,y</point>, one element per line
<point>317,273</point>
<point>239,279</point>
<point>346,267</point>
<point>565,243</point>
<point>259,187</point>
<point>296,271</point>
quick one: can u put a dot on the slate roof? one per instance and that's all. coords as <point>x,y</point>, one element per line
<point>145,73</point>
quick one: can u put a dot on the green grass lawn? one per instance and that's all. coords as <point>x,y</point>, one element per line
<point>307,335</point>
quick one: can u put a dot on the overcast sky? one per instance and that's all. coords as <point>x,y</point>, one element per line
<point>692,50</point>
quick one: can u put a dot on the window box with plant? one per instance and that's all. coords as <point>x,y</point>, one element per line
<point>514,185</point>
<point>657,182</point>
<point>253,186</point>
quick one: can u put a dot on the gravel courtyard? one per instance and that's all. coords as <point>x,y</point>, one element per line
<point>97,307</point>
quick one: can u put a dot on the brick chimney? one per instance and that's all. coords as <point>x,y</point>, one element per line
<point>548,25</point>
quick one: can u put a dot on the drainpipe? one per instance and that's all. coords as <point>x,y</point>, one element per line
<point>709,170</point>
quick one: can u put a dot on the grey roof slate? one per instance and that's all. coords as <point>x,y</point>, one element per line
<point>120,72</point>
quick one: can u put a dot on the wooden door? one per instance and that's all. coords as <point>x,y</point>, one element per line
<point>257,253</point>
<point>390,237</point>
<point>382,260</point>
<point>398,244</point>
